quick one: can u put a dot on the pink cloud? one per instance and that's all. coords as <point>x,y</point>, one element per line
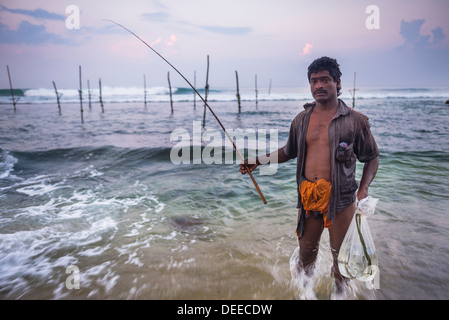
<point>132,49</point>
<point>307,49</point>
<point>128,48</point>
<point>158,40</point>
<point>172,40</point>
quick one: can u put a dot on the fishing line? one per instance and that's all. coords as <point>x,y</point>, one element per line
<point>205,103</point>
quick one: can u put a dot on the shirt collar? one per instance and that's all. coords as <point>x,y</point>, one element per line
<point>342,108</point>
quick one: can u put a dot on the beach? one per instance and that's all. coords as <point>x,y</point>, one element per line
<point>104,200</point>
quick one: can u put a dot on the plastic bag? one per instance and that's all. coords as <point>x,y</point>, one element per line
<point>357,256</point>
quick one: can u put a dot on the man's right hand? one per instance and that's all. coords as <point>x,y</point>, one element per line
<point>245,166</point>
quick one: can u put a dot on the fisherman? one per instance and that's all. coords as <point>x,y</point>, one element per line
<point>326,138</point>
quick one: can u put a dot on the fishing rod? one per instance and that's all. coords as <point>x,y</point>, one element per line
<point>205,103</point>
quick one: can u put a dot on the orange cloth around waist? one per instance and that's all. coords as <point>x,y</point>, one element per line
<point>315,196</point>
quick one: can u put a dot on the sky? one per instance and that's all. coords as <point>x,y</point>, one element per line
<point>388,43</point>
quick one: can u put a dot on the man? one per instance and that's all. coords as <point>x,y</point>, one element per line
<point>326,138</point>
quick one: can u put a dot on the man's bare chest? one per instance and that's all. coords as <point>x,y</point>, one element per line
<point>318,129</point>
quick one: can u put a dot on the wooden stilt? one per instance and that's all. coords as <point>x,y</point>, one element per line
<point>12,91</point>
<point>238,93</point>
<point>194,85</point>
<point>206,92</point>
<point>81,97</point>
<point>353,92</point>
<point>58,95</point>
<point>89,95</point>
<point>257,92</point>
<point>101,98</point>
<point>169,86</point>
<point>144,90</point>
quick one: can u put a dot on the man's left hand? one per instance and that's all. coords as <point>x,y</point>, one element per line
<point>362,193</point>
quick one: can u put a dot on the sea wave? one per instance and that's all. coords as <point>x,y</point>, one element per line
<point>184,94</point>
<point>7,162</point>
<point>51,220</point>
<point>116,154</point>
<point>16,92</point>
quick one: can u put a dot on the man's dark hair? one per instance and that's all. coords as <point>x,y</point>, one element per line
<point>326,63</point>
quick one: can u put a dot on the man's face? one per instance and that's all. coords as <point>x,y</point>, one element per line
<point>323,87</point>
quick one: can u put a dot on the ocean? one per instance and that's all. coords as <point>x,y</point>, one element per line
<point>138,202</point>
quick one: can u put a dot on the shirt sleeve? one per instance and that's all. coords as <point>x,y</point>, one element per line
<point>291,148</point>
<point>365,145</point>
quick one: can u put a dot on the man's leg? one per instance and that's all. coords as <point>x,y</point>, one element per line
<point>336,235</point>
<point>309,243</point>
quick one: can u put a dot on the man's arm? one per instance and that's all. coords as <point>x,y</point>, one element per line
<point>369,172</point>
<point>252,164</point>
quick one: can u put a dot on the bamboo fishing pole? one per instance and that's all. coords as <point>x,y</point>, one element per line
<point>205,103</point>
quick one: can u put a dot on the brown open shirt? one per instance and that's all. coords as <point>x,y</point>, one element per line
<point>348,127</point>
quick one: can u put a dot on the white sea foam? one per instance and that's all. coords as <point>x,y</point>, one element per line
<point>7,162</point>
<point>321,285</point>
<point>38,187</point>
<point>85,219</point>
<point>96,251</point>
<point>179,263</point>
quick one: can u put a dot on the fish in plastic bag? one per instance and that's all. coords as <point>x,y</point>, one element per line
<point>357,256</point>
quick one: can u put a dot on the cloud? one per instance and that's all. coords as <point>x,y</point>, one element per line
<point>227,30</point>
<point>159,4</point>
<point>172,40</point>
<point>307,49</point>
<point>129,49</point>
<point>162,16</point>
<point>438,35</point>
<point>29,33</point>
<point>411,32</point>
<point>38,13</point>
<point>155,42</point>
<point>156,16</point>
